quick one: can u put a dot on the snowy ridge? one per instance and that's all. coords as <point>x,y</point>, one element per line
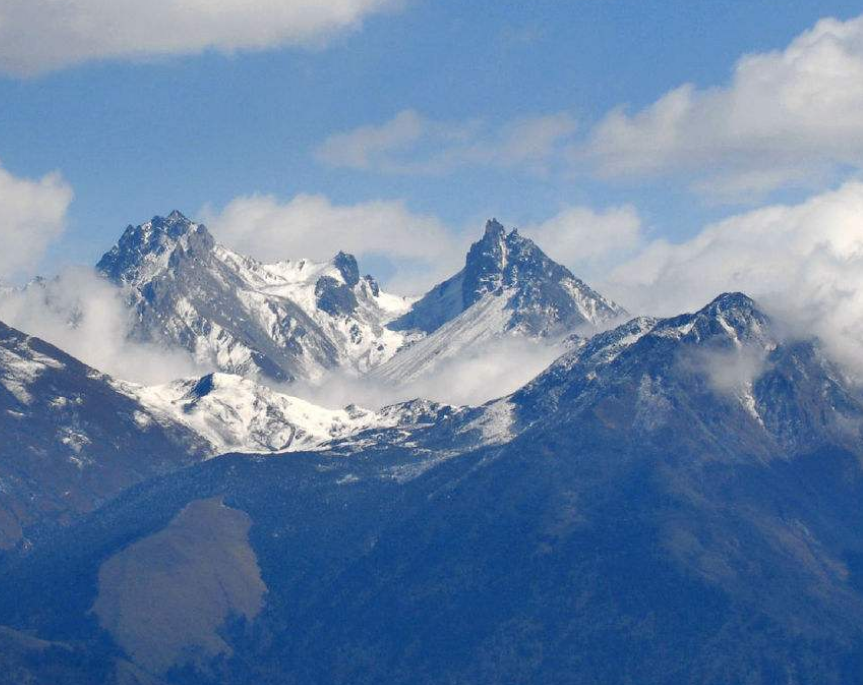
<point>724,363</point>
<point>21,366</point>
<point>484,321</point>
<point>543,297</point>
<point>69,440</point>
<point>235,414</point>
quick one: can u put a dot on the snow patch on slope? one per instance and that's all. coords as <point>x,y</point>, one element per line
<point>21,366</point>
<point>237,414</point>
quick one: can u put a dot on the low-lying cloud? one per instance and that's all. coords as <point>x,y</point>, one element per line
<point>85,316</point>
<point>492,369</point>
<point>32,216</point>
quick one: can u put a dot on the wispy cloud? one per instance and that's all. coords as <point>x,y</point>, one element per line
<point>410,143</point>
<point>40,35</point>
<point>32,215</point>
<point>485,372</point>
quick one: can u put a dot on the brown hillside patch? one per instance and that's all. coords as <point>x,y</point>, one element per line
<point>164,597</point>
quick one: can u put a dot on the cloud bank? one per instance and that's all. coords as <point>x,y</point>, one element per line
<point>85,316</point>
<point>785,118</point>
<point>803,262</point>
<point>41,35</point>
<point>32,215</point>
<point>789,117</point>
<point>490,370</point>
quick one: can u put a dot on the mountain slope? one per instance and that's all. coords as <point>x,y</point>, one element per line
<point>653,521</point>
<point>286,321</point>
<point>69,440</point>
<point>508,287</point>
<point>71,437</point>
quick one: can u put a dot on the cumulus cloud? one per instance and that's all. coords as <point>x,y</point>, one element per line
<point>788,117</point>
<point>33,215</point>
<point>803,262</point>
<point>40,35</point>
<point>311,226</point>
<point>588,240</point>
<point>413,144</point>
<point>85,316</point>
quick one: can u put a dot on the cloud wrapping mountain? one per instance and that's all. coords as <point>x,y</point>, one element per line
<point>630,523</point>
<point>33,216</point>
<point>84,315</point>
<point>804,261</point>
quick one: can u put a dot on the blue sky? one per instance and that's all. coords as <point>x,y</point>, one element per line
<point>141,135</point>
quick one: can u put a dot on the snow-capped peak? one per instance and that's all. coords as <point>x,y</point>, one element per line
<point>288,320</point>
<point>145,251</point>
<point>508,287</point>
<point>543,297</point>
<point>731,318</point>
<point>236,414</point>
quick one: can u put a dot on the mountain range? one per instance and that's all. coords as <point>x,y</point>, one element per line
<point>672,500</point>
<point>298,320</point>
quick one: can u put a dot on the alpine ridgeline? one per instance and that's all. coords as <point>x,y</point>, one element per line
<point>71,438</point>
<point>297,320</point>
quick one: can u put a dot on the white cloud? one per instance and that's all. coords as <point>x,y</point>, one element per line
<point>494,369</point>
<point>368,146</point>
<point>32,214</point>
<point>789,117</point>
<point>311,226</point>
<point>412,144</point>
<point>39,35</point>
<point>587,240</point>
<point>85,316</point>
<point>803,262</point>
